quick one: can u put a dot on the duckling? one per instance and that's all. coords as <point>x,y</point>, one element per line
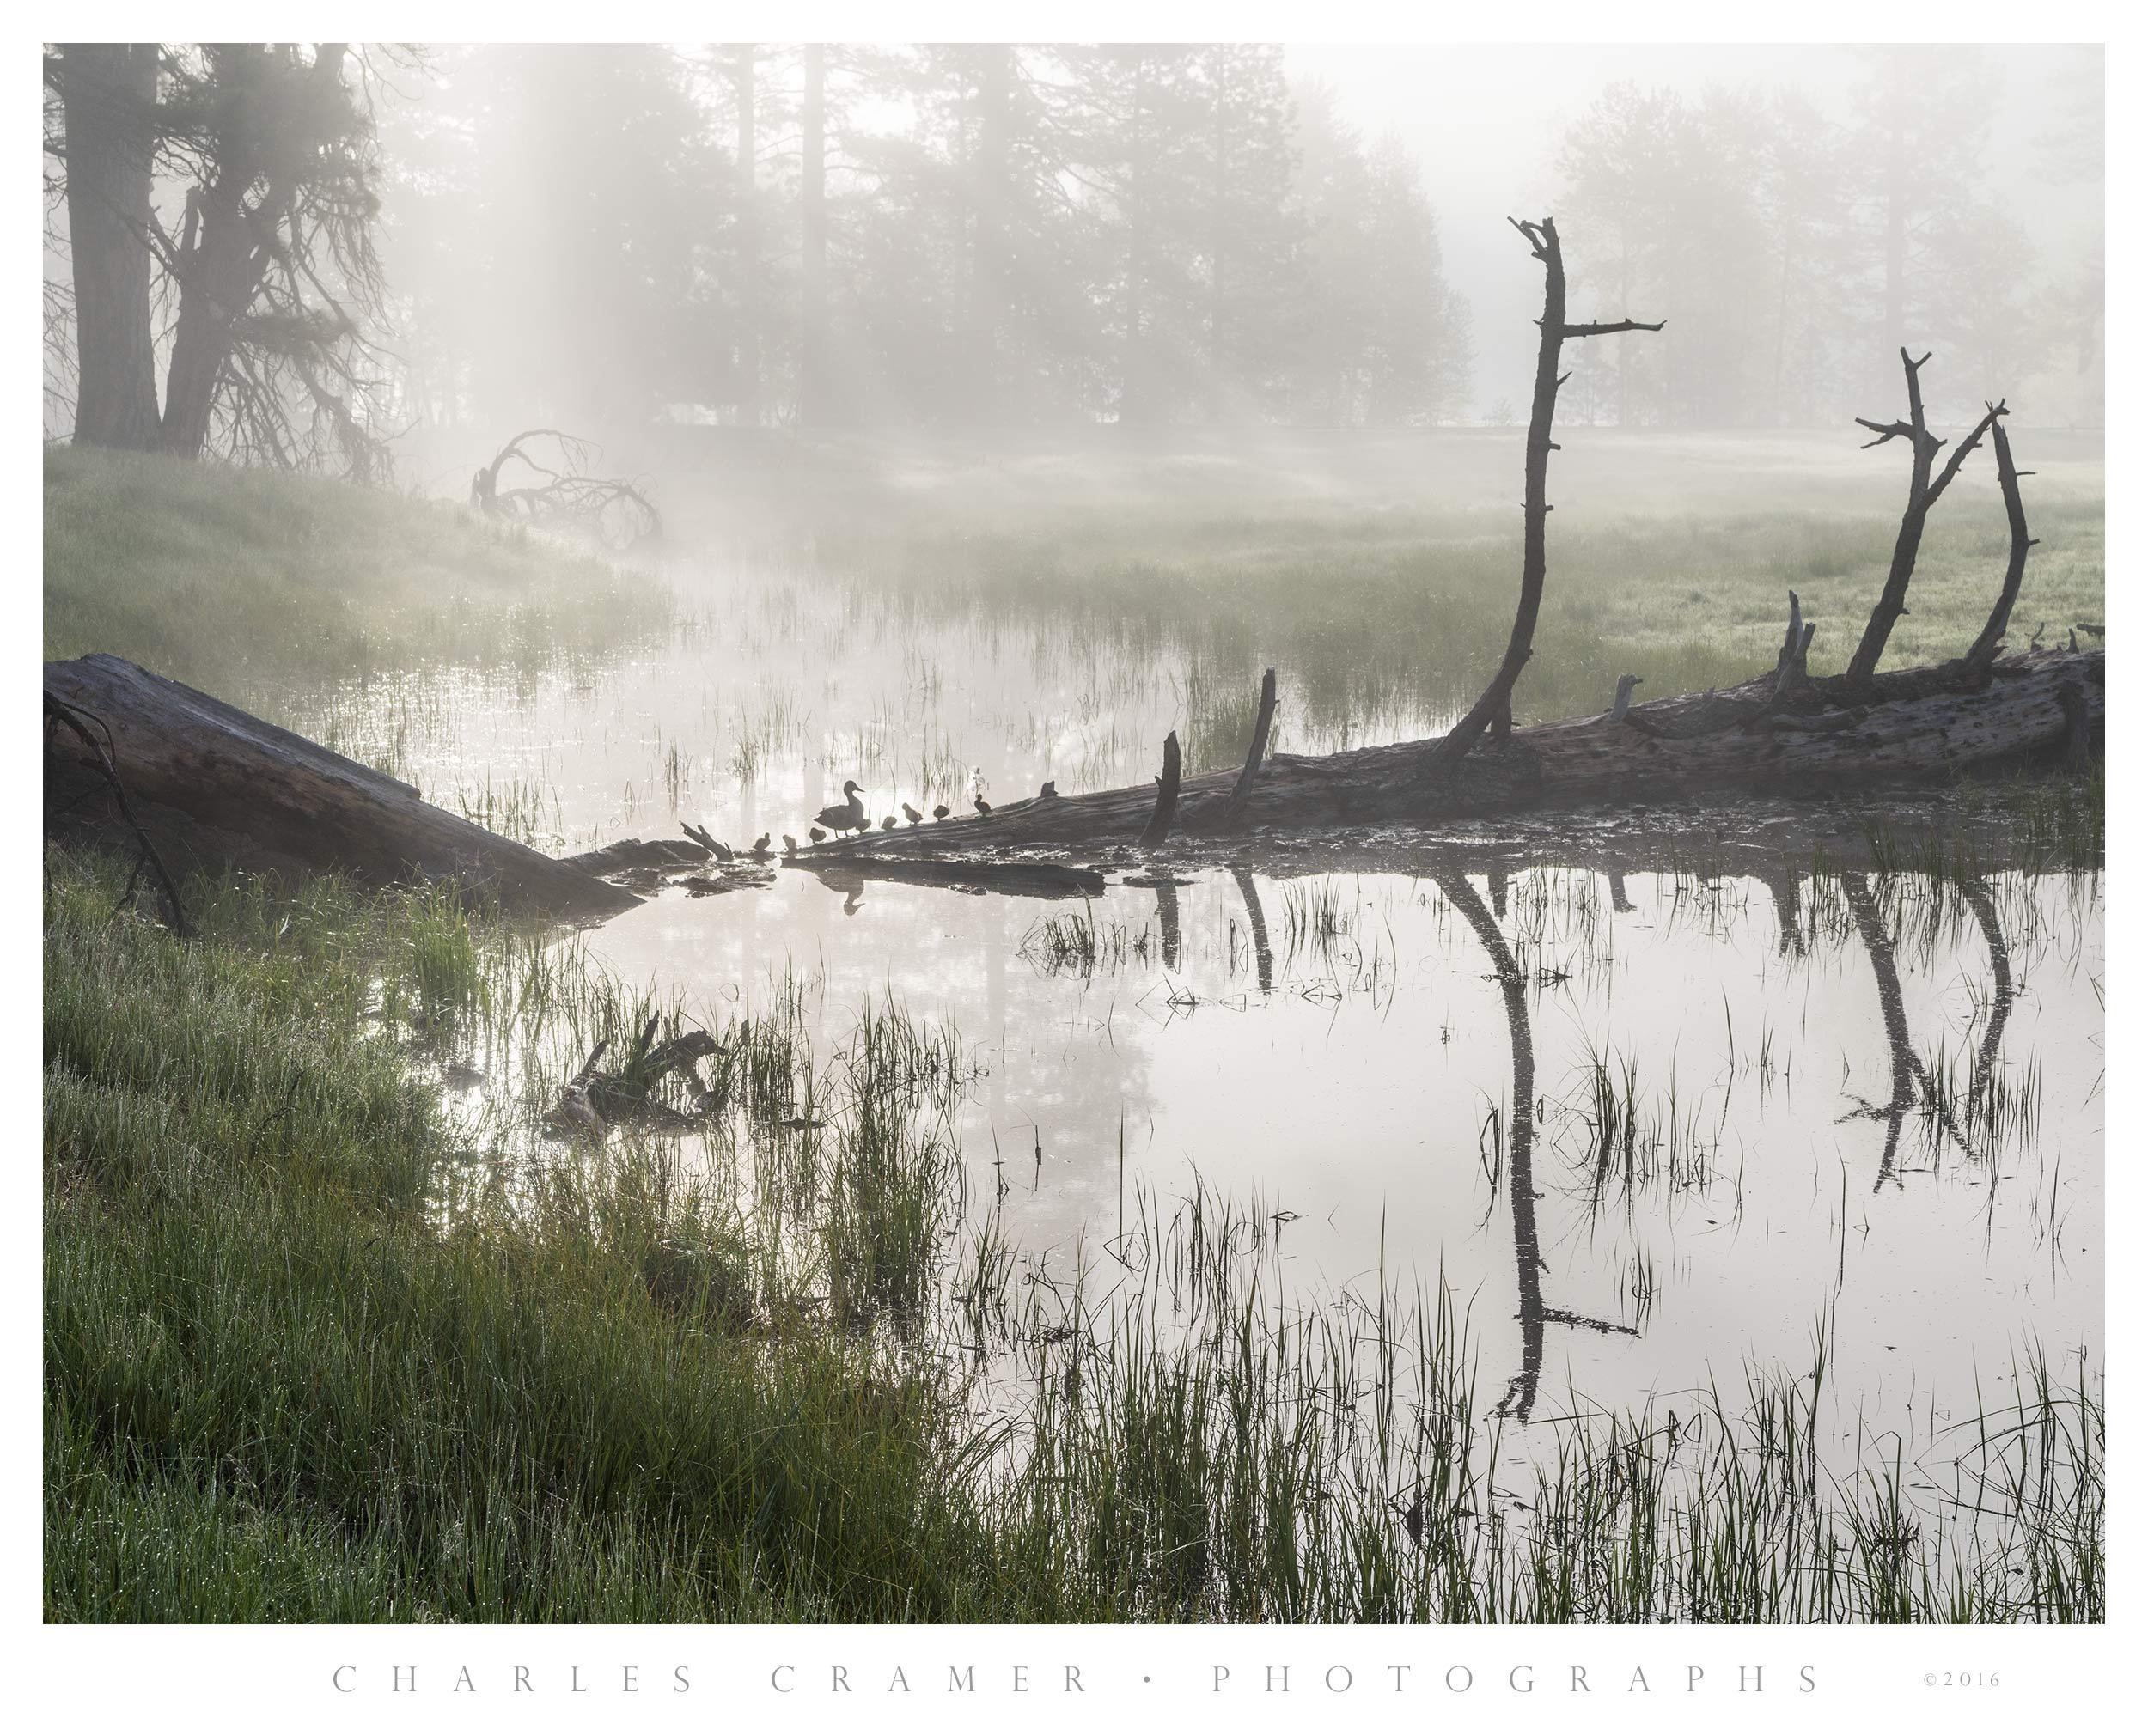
<point>816,834</point>
<point>911,813</point>
<point>1051,791</point>
<point>983,806</point>
<point>789,845</point>
<point>760,845</point>
<point>848,815</point>
<point>942,811</point>
<point>888,824</point>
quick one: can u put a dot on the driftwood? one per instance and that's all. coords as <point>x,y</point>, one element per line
<point>214,787</point>
<point>596,1098</point>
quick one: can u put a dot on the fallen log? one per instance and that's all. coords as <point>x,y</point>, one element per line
<point>217,788</point>
<point>1902,727</point>
<point>655,854</point>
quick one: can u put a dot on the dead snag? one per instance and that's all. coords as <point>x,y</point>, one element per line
<point>1496,703</point>
<point>1242,792</point>
<point>1988,642</point>
<point>1166,795</point>
<point>566,495</point>
<point>1925,490</point>
<point>1790,661</point>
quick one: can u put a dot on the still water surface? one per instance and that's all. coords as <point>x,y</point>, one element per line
<point>1883,1106</point>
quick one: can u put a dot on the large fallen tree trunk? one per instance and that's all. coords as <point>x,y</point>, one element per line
<point>214,787</point>
<point>1912,725</point>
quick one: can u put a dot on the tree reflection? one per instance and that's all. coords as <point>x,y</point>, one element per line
<point>1263,959</point>
<point>1528,1256</point>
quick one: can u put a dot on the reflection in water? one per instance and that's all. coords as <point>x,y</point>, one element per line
<point>1263,959</point>
<point>1789,935</point>
<point>1528,1256</point>
<point>1167,916</point>
<point>1977,894</point>
<point>1353,1093</point>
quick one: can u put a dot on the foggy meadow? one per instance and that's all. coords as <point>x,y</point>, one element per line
<point>1073,833</point>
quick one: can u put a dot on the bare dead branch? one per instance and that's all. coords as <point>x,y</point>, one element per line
<point>568,496</point>
<point>95,734</point>
<point>1494,707</point>
<point>2019,542</point>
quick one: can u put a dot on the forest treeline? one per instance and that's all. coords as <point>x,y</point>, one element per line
<point>978,236</point>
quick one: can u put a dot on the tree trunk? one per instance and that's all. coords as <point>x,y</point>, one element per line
<point>813,237</point>
<point>108,95</point>
<point>214,787</point>
<point>216,284</point>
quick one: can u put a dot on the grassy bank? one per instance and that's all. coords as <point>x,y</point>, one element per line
<point>318,1348</point>
<point>254,584</point>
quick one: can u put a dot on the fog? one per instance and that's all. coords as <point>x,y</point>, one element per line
<point>945,240</point>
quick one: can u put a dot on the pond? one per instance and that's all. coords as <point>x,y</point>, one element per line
<point>1651,1119</point>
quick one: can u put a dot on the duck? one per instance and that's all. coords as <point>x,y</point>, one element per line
<point>816,834</point>
<point>983,806</point>
<point>1051,791</point>
<point>888,824</point>
<point>845,816</point>
<point>789,845</point>
<point>942,811</point>
<point>911,813</point>
<point>760,845</point>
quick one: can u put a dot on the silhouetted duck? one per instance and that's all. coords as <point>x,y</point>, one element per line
<point>983,806</point>
<point>760,845</point>
<point>911,813</point>
<point>845,816</point>
<point>789,845</point>
<point>941,812</point>
<point>1051,791</point>
<point>816,834</point>
<point>888,824</point>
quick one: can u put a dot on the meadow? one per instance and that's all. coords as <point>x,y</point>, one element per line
<point>322,1344</point>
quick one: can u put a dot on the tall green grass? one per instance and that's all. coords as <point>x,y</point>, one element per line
<point>318,1348</point>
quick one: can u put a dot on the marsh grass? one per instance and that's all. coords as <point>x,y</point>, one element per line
<point>309,1355</point>
<point>257,586</point>
<point>1369,617</point>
